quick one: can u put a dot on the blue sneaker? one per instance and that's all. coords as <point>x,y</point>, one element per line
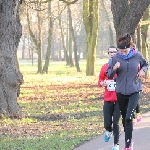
<point>107,136</point>
<point>115,147</point>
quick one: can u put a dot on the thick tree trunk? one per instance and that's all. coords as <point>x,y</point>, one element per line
<point>90,17</point>
<point>10,76</point>
<point>127,15</point>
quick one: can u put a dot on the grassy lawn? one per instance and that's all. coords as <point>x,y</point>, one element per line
<point>60,110</point>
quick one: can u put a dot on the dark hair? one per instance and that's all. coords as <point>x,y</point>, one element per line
<point>124,41</point>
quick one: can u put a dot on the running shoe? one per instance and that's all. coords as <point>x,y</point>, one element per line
<point>130,147</point>
<point>107,136</point>
<point>115,147</point>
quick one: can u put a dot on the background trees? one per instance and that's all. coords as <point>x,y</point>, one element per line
<point>67,31</point>
<point>126,16</point>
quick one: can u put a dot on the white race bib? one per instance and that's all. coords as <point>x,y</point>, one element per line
<point>111,85</point>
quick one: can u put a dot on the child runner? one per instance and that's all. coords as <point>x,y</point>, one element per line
<point>128,82</point>
<point>111,108</point>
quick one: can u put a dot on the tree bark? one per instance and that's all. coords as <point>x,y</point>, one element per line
<point>127,15</point>
<point>10,76</point>
<point>139,42</point>
<point>144,30</point>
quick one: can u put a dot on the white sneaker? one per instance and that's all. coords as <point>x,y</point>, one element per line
<point>115,147</point>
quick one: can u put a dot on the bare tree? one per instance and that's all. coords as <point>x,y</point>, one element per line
<point>50,33</point>
<point>109,23</point>
<point>74,41</point>
<point>63,41</point>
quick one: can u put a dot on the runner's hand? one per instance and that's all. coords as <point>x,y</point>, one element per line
<point>141,74</point>
<point>116,66</point>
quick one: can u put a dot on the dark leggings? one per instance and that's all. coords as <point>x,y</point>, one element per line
<point>111,119</point>
<point>127,105</point>
<point>138,108</point>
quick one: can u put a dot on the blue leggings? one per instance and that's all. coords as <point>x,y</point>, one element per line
<point>127,105</point>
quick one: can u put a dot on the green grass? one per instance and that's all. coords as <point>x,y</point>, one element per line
<point>55,141</point>
<point>59,68</point>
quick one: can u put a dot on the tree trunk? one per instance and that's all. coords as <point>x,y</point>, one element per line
<point>50,33</point>
<point>74,40</point>
<point>139,38</point>
<point>127,15</point>
<point>10,76</point>
<point>144,30</point>
<point>23,47</point>
<point>37,42</point>
<point>70,48</point>
<point>63,40</point>
<point>111,39</point>
<point>70,42</point>
<point>90,17</point>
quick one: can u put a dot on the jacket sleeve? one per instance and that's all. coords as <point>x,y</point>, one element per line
<point>102,75</point>
<point>110,72</point>
<point>144,64</point>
